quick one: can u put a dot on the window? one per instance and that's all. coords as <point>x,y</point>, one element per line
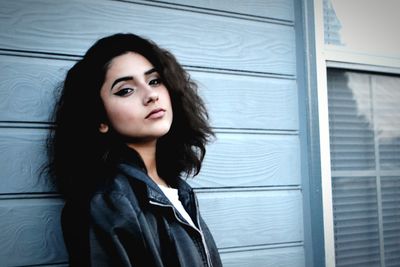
<point>364,121</point>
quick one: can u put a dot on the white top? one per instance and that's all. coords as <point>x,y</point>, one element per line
<point>172,195</point>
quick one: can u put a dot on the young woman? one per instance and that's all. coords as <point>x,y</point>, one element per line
<point>130,124</point>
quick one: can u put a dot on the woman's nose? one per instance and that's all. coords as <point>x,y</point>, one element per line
<point>151,96</point>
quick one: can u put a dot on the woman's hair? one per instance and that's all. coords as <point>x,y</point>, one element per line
<point>79,152</point>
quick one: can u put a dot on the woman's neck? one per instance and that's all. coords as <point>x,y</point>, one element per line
<point>147,152</point>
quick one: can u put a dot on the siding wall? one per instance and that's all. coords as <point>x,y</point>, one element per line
<point>243,54</point>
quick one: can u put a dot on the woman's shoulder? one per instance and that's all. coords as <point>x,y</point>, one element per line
<point>116,194</point>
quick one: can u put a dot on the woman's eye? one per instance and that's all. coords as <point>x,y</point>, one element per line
<point>156,81</point>
<point>124,92</point>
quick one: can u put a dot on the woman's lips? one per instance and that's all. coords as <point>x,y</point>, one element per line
<point>156,113</point>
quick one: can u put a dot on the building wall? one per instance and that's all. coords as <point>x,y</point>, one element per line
<point>243,54</point>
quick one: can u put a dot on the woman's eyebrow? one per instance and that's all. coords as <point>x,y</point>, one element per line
<point>126,78</point>
<point>150,71</point>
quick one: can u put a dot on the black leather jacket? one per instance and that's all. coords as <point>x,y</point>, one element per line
<point>132,223</point>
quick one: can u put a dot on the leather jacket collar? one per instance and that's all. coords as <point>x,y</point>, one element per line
<point>131,164</point>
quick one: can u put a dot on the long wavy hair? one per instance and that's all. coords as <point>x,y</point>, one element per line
<point>79,152</point>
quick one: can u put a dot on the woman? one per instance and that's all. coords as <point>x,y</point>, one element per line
<point>129,124</point>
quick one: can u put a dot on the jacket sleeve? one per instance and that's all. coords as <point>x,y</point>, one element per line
<point>116,235</point>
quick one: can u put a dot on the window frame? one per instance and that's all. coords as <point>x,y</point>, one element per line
<point>331,56</point>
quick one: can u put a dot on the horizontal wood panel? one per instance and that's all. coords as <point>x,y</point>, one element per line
<point>23,154</point>
<point>29,87</point>
<point>251,160</point>
<point>31,232</point>
<point>278,9</point>
<point>70,27</point>
<point>276,257</point>
<point>249,102</point>
<point>232,160</point>
<point>250,218</point>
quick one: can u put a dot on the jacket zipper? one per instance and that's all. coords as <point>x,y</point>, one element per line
<point>185,223</point>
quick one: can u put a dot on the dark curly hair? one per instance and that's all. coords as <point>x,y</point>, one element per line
<point>79,152</point>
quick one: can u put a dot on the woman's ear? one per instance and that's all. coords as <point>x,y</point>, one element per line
<point>103,128</point>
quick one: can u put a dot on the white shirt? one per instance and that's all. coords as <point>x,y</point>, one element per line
<point>172,195</point>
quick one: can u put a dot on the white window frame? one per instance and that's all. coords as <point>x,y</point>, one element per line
<point>336,57</point>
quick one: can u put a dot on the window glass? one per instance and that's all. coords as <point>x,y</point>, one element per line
<point>363,26</point>
<point>364,121</point>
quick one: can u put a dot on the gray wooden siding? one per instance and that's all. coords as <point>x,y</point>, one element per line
<point>243,54</point>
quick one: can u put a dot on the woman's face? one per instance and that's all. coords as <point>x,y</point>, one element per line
<point>136,101</point>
